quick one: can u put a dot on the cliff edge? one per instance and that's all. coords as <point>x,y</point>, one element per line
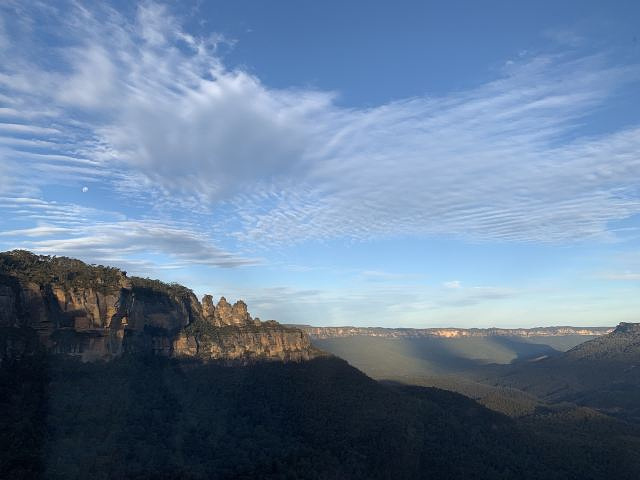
<point>95,312</point>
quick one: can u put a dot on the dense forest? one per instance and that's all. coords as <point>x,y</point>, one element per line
<point>64,271</point>
<point>71,273</point>
<point>152,417</point>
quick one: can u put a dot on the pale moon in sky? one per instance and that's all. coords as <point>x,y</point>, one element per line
<point>85,189</point>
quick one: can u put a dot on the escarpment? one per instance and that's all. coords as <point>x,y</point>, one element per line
<point>347,331</point>
<point>68,307</point>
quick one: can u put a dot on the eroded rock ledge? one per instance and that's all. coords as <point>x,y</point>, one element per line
<point>97,312</point>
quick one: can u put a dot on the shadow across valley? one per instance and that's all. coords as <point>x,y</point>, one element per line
<point>383,357</point>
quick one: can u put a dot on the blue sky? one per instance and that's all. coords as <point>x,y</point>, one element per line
<point>411,164</point>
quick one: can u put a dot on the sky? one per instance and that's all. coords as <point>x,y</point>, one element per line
<point>368,163</point>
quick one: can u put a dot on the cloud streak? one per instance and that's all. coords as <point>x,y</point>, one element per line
<point>107,242</point>
<point>99,236</point>
<point>142,105</point>
<point>624,276</point>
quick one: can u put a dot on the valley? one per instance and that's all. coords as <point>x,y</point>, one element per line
<point>513,372</point>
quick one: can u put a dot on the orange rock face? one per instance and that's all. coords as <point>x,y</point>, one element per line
<point>95,319</point>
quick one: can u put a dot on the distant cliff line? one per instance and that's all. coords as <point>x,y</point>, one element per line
<point>347,331</point>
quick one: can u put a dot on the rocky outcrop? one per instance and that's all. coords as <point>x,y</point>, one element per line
<point>224,313</point>
<point>245,343</point>
<point>208,309</point>
<point>334,332</point>
<point>96,312</point>
<point>628,329</point>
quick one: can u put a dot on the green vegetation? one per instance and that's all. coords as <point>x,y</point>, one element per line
<point>203,329</point>
<point>508,401</point>
<point>68,273</point>
<point>600,374</point>
<point>150,417</point>
<point>613,387</point>
<point>151,289</point>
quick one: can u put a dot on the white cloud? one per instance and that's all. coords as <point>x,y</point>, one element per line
<point>4,176</point>
<point>625,276</point>
<point>122,242</point>
<point>27,129</point>
<point>218,139</point>
<point>161,117</point>
<point>99,236</point>
<point>55,213</point>
<point>452,284</point>
<point>39,231</point>
<point>92,80</point>
<point>107,242</point>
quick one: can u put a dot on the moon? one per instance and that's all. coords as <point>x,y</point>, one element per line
<point>85,189</point>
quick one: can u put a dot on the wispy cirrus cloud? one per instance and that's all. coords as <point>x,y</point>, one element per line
<point>99,236</point>
<point>468,296</point>
<point>623,276</point>
<point>26,129</point>
<point>108,242</point>
<point>121,242</point>
<point>43,230</point>
<point>158,117</point>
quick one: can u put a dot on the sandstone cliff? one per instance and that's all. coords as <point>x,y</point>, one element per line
<point>96,312</point>
<point>334,332</point>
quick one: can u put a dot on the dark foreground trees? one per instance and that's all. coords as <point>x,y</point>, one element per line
<point>148,417</point>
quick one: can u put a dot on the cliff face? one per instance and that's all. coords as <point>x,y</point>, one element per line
<point>269,340</point>
<point>335,332</point>
<point>98,312</point>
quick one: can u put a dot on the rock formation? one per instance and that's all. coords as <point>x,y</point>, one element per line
<point>97,312</point>
<point>208,310</point>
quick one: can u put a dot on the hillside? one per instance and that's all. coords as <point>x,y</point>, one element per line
<point>622,345</point>
<point>154,417</point>
<point>603,373</point>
